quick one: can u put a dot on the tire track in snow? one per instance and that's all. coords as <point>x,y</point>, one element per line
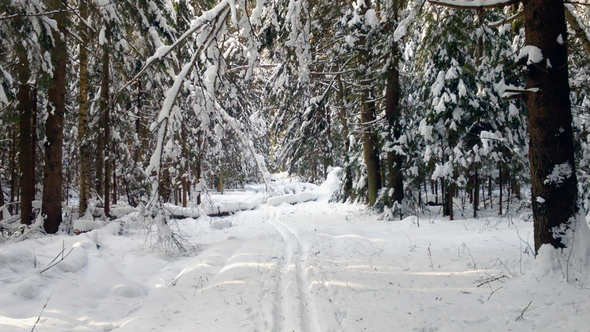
<point>297,310</point>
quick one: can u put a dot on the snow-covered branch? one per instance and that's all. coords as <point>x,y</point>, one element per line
<point>473,4</point>
<point>162,122</point>
<point>577,25</point>
<point>164,50</point>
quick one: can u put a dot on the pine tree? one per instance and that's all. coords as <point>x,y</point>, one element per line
<point>52,178</point>
<point>547,92</point>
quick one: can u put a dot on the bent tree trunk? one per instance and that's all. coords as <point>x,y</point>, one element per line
<point>554,198</point>
<point>52,177</point>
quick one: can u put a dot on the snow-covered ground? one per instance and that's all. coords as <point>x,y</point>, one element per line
<point>313,266</point>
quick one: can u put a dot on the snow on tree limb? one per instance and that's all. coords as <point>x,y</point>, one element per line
<point>506,20</point>
<point>402,27</point>
<point>260,163</point>
<point>162,51</point>
<point>162,122</point>
<point>577,25</point>
<point>473,4</point>
<point>5,79</point>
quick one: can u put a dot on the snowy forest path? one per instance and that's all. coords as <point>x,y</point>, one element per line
<point>297,310</point>
<point>308,267</point>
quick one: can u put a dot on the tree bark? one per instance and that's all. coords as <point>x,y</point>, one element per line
<point>105,110</point>
<point>515,189</point>
<point>370,147</point>
<point>447,193</point>
<point>115,187</point>
<point>393,114</point>
<point>490,192</point>
<point>13,169</point>
<point>198,166</point>
<point>436,192</point>
<point>500,182</point>
<point>368,117</point>
<point>26,110</point>
<point>451,192</point>
<point>220,182</point>
<point>475,192</point>
<point>84,151</point>
<point>551,139</point>
<point>52,177</point>
<point>1,199</point>
<point>344,119</point>
<point>185,188</point>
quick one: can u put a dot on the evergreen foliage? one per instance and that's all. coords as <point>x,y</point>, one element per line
<point>418,103</point>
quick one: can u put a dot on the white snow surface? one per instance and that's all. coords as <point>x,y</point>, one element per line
<point>314,266</point>
<point>532,53</point>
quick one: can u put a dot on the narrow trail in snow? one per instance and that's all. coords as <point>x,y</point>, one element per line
<point>296,304</point>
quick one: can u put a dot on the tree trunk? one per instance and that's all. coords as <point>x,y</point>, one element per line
<point>515,189</point>
<point>500,180</point>
<point>444,194</point>
<point>475,192</point>
<point>52,177</point>
<point>139,151</point>
<point>26,109</point>
<point>344,120</point>
<point>199,184</point>
<point>370,147</point>
<point>34,138</point>
<point>99,162</point>
<point>551,141</point>
<point>165,187</point>
<point>175,190</point>
<point>1,199</point>
<point>368,117</point>
<point>13,170</point>
<point>84,151</point>
<point>420,201</point>
<point>220,182</point>
<point>198,166</point>
<point>184,191</point>
<point>115,189</point>
<point>479,50</point>
<point>508,188</point>
<point>436,192</point>
<point>490,180</point>
<point>451,194</point>
<point>469,188</point>
<point>327,159</point>
<point>184,168</point>
<point>393,114</point>
<point>448,193</point>
<point>105,110</point>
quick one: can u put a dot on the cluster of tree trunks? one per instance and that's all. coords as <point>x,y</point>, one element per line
<point>551,137</point>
